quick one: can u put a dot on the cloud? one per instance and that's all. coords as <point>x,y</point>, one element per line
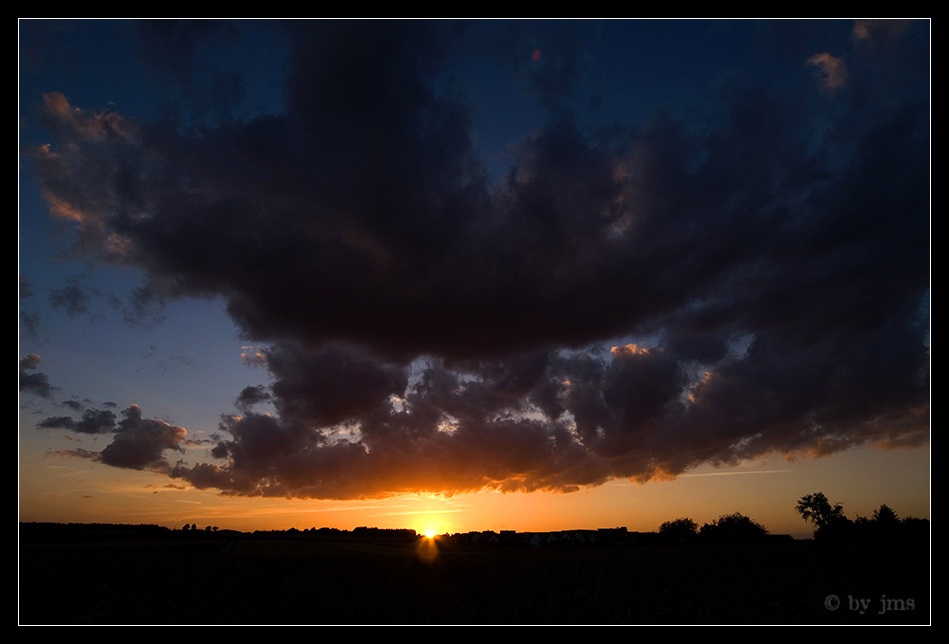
<point>329,387</point>
<point>252,356</point>
<point>93,421</point>
<point>250,396</point>
<point>833,69</point>
<point>140,443</point>
<point>625,302</point>
<point>172,44</point>
<point>71,297</point>
<point>30,325</point>
<point>137,443</point>
<point>26,288</point>
<point>34,383</point>
<point>886,30</point>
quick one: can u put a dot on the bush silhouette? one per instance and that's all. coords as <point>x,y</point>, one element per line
<point>681,530</point>
<point>732,528</point>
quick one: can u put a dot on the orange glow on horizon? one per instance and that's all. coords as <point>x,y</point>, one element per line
<point>703,494</point>
<point>432,525</point>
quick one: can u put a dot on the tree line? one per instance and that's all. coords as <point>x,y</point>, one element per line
<point>831,524</point>
<point>729,528</point>
<point>829,521</point>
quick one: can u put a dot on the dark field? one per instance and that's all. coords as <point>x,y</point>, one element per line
<point>141,580</point>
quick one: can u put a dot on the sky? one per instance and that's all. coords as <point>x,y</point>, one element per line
<point>472,275</point>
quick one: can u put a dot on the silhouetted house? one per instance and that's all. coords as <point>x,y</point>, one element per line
<point>487,536</point>
<point>585,537</point>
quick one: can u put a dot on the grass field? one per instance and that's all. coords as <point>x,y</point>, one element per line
<point>282,582</point>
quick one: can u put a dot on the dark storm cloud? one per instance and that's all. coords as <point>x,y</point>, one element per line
<point>251,396</point>
<point>623,303</point>
<point>331,386</point>
<point>400,451</point>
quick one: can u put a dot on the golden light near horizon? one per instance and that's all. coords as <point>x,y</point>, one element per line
<point>430,528</point>
<point>432,520</point>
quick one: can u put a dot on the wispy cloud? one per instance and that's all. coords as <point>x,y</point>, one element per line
<point>732,473</point>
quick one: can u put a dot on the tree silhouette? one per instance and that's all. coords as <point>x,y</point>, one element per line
<point>681,530</point>
<point>816,509</point>
<point>733,528</point>
<point>831,524</point>
<point>884,526</point>
<point>885,515</point>
<point>915,529</point>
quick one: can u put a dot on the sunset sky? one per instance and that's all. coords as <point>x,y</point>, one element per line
<point>472,275</point>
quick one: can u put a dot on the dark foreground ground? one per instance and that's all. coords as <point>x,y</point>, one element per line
<point>219,580</point>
